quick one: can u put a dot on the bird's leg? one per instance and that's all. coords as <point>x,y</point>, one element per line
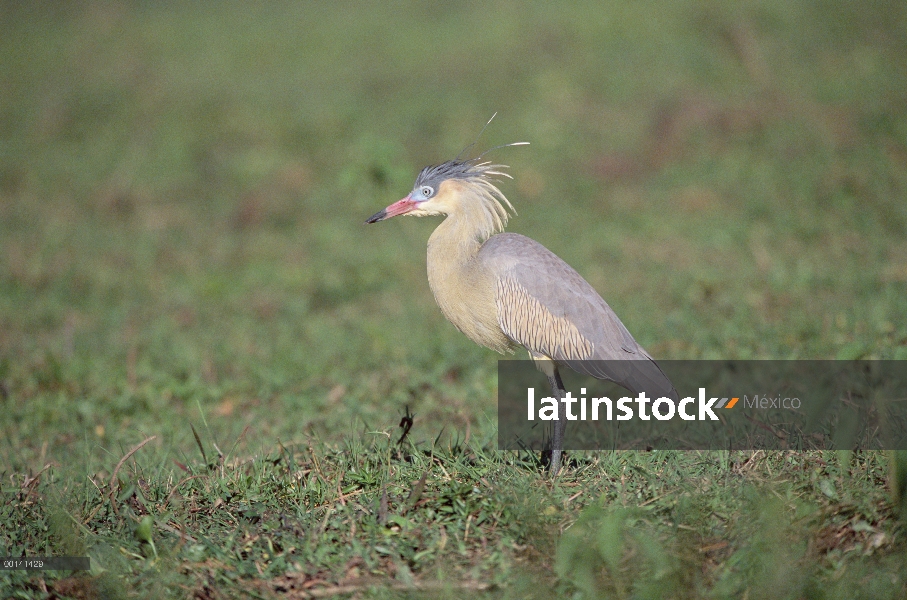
<point>560,426</point>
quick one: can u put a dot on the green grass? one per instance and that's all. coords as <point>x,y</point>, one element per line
<point>182,190</point>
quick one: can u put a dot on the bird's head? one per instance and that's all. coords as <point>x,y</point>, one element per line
<point>452,187</point>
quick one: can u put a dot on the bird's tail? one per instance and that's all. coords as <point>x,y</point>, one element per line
<point>638,375</point>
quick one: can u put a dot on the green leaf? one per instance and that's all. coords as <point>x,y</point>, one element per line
<point>828,488</point>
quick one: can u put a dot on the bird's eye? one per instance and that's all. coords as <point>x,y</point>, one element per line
<point>427,191</point>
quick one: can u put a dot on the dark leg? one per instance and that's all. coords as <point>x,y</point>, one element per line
<point>559,426</point>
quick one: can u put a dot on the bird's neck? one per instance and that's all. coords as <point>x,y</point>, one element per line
<point>452,251</point>
<point>462,286</point>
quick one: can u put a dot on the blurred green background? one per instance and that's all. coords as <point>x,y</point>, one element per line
<point>183,188</point>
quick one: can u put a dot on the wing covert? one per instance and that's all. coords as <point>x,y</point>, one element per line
<point>544,305</point>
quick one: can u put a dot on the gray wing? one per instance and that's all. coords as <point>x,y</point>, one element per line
<point>544,305</point>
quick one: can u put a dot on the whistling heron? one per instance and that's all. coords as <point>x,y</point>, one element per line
<point>505,290</point>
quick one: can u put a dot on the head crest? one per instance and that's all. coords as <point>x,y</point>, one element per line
<point>482,203</point>
<point>459,168</point>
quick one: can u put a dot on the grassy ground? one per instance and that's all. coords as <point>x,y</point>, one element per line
<point>183,260</point>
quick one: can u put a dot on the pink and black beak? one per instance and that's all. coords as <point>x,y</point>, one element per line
<point>400,207</point>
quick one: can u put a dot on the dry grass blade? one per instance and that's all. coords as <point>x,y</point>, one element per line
<point>416,493</point>
<point>113,478</point>
<point>199,442</point>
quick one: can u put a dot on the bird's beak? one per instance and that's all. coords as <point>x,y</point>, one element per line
<point>400,207</point>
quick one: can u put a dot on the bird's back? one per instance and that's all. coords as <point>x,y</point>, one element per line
<point>544,305</point>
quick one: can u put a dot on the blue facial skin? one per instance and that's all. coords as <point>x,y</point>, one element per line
<point>421,193</point>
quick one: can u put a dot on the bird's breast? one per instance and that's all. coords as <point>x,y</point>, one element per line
<point>465,293</point>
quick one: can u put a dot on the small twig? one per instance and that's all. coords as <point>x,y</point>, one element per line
<point>113,478</point>
<point>651,500</point>
<point>717,546</point>
<point>100,504</point>
<point>406,423</point>
<point>28,482</point>
<point>341,498</point>
<point>446,474</point>
<point>340,490</point>
<point>317,466</point>
<point>93,513</point>
<point>573,497</point>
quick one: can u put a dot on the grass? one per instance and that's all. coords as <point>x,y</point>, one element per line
<point>182,255</point>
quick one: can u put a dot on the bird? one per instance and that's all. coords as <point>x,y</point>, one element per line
<point>506,290</point>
